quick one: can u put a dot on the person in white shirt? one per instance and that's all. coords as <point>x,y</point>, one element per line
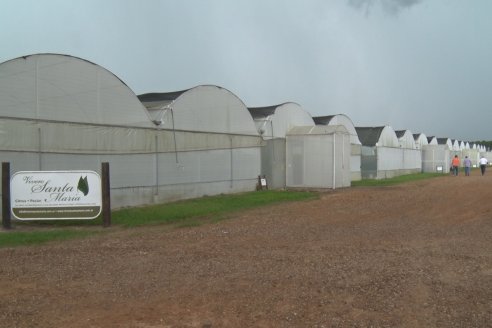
<point>483,164</point>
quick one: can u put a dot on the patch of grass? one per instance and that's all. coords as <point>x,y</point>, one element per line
<point>187,213</point>
<point>211,208</point>
<point>24,238</point>
<point>396,180</point>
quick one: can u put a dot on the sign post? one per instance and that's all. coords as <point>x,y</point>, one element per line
<point>6,195</point>
<point>106,211</point>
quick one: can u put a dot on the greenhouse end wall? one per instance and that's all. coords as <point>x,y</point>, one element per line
<point>273,162</point>
<point>436,159</point>
<point>318,161</point>
<point>355,162</point>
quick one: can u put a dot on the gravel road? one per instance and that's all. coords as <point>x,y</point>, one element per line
<point>412,255</point>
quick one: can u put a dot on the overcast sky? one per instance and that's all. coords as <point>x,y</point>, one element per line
<point>423,65</point>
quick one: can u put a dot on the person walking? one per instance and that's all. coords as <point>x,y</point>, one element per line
<point>467,164</point>
<point>455,163</point>
<point>483,164</point>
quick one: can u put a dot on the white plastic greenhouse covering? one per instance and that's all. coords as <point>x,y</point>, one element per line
<point>432,141</point>
<point>318,157</point>
<point>456,145</point>
<point>67,89</point>
<point>405,139</point>
<point>420,140</point>
<point>436,158</point>
<point>273,122</point>
<point>445,141</point>
<point>63,113</point>
<point>355,144</point>
<point>382,156</point>
<point>397,161</point>
<point>204,108</point>
<point>412,156</point>
<point>473,155</point>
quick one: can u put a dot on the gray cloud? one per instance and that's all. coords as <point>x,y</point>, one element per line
<point>425,72</point>
<point>390,6</point>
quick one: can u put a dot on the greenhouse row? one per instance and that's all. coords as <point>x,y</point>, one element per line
<point>60,112</point>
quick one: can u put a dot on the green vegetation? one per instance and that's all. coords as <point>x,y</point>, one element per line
<point>487,144</point>
<point>186,213</point>
<point>210,208</point>
<point>396,180</point>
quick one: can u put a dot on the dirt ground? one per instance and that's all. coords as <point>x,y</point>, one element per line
<point>413,255</point>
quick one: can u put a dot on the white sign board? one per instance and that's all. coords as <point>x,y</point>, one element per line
<point>53,195</point>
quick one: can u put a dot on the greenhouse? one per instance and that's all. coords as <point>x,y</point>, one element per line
<point>405,139</point>
<point>355,145</point>
<point>60,112</point>
<point>412,156</point>
<point>382,156</point>
<point>207,145</point>
<point>420,140</point>
<point>273,123</point>
<point>437,157</point>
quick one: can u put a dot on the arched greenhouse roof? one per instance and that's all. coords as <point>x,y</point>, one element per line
<point>405,139</point>
<point>383,136</point>
<point>275,121</point>
<point>158,98</point>
<point>56,87</point>
<point>420,140</point>
<point>340,119</point>
<point>432,140</point>
<point>204,108</point>
<point>455,145</point>
<point>445,141</point>
<point>262,112</point>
